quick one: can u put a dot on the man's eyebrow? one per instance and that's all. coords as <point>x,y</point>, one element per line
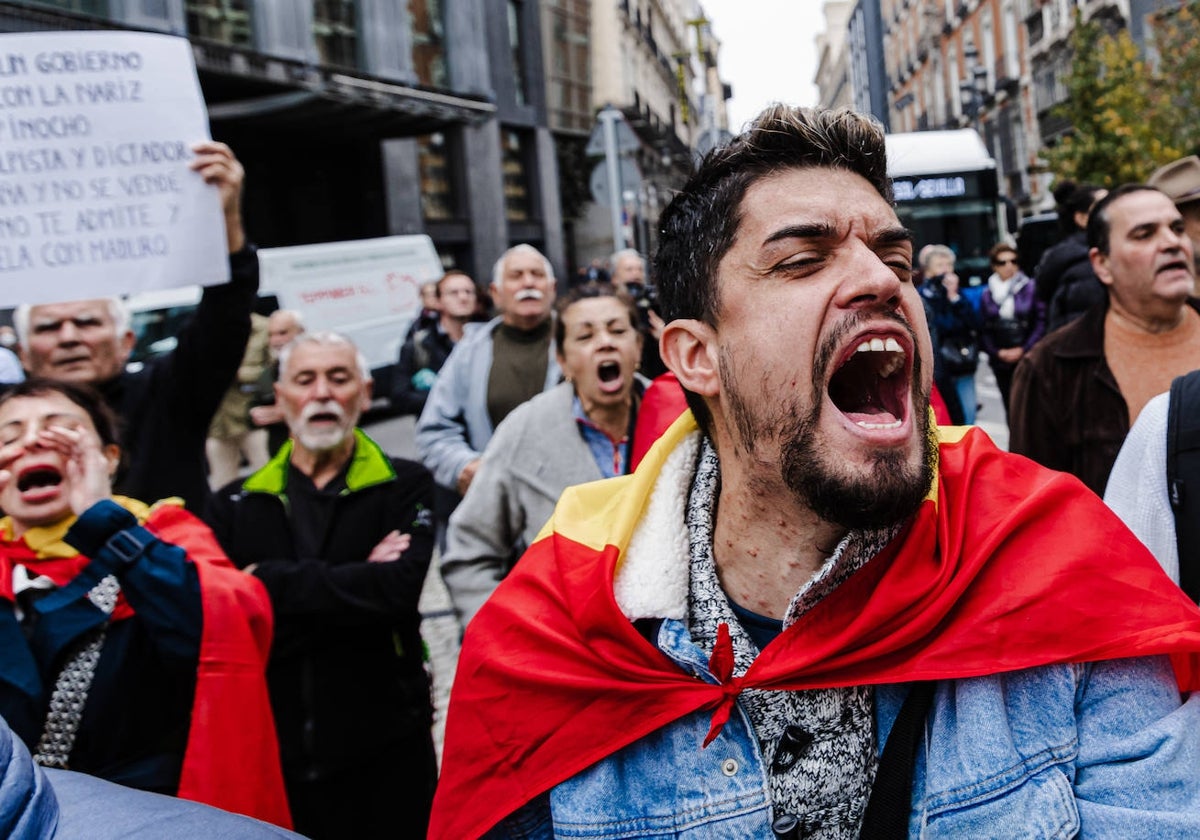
<point>824,230</point>
<point>892,236</point>
<point>812,230</point>
<point>50,321</point>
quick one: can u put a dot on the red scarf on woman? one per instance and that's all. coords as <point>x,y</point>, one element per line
<point>232,757</point>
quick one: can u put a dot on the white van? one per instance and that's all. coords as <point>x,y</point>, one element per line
<point>368,290</point>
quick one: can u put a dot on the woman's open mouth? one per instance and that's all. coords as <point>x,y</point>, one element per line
<point>872,385</point>
<point>610,377</point>
<point>38,483</point>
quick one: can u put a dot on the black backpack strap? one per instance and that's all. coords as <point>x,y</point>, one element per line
<point>1183,476</point>
<point>890,804</point>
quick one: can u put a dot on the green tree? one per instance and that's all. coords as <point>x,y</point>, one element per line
<point>1129,113</point>
<point>1176,43</point>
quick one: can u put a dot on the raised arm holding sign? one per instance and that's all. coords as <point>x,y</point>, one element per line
<point>167,233</point>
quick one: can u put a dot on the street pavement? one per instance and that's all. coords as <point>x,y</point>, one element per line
<point>440,628</point>
<point>990,416</point>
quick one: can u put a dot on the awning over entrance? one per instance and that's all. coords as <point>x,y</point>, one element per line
<point>274,95</point>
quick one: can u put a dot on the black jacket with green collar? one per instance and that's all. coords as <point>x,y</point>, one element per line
<point>346,671</point>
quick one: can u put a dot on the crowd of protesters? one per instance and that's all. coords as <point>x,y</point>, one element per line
<point>210,572</point>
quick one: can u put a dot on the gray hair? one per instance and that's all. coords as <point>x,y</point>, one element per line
<point>325,338</point>
<point>498,268</point>
<point>931,252</point>
<point>626,252</point>
<point>117,311</point>
<point>294,314</point>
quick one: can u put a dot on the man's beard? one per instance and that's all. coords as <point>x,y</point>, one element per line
<point>323,439</point>
<point>887,491</point>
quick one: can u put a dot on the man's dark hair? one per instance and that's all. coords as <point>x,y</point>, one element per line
<point>1073,198</point>
<point>84,396</point>
<point>1099,226</point>
<point>698,227</point>
<point>454,272</point>
<point>591,289</point>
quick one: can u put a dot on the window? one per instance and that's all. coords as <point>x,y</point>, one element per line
<point>989,49</point>
<point>517,204</point>
<point>438,199</point>
<point>335,30</point>
<point>1012,45</point>
<point>429,42</point>
<point>227,21</point>
<point>568,75</point>
<point>515,49</point>
<point>99,8</point>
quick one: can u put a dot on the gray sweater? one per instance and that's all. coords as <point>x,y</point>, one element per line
<point>535,454</point>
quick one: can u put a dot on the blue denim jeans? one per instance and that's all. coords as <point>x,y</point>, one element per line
<point>964,386</point>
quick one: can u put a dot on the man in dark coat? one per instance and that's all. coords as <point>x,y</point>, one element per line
<point>1076,393</point>
<point>341,535</point>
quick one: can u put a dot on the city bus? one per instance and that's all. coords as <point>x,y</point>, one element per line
<point>947,193</point>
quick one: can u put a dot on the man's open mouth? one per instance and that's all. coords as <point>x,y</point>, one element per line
<point>1176,265</point>
<point>871,386</point>
<point>324,417</point>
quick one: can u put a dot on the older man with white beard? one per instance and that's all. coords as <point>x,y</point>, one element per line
<point>341,535</point>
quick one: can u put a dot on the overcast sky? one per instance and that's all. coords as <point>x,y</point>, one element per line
<point>768,52</point>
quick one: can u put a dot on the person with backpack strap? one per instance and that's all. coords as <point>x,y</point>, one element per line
<point>1155,484</point>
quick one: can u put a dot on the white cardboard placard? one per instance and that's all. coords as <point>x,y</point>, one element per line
<point>96,198</point>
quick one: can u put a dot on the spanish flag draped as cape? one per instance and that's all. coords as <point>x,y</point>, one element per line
<point>1005,565</point>
<point>232,757</point>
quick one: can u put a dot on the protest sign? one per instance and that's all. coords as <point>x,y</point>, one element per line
<point>96,198</point>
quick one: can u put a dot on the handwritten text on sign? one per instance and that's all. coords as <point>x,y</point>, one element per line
<point>95,194</point>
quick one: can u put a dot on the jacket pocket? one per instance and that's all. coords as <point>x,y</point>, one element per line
<point>1040,807</point>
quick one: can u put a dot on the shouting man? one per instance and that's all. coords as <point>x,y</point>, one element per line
<point>809,613</point>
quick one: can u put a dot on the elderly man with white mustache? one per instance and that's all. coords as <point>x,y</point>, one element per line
<point>341,535</point>
<point>492,370</point>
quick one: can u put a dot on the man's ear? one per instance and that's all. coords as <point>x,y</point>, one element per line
<point>368,390</point>
<point>1100,266</point>
<point>689,349</point>
<point>127,342</point>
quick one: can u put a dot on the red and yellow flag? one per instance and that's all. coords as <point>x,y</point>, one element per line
<point>1005,566</point>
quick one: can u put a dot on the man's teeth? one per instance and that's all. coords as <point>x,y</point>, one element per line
<point>884,345</point>
<point>895,424</point>
<point>876,345</point>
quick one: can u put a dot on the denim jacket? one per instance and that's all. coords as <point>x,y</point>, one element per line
<point>1103,750</point>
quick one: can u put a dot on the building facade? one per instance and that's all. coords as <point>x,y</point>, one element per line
<point>361,118</point>
<point>868,68</point>
<point>656,61</point>
<point>834,72</point>
<point>998,66</point>
<point>962,63</point>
